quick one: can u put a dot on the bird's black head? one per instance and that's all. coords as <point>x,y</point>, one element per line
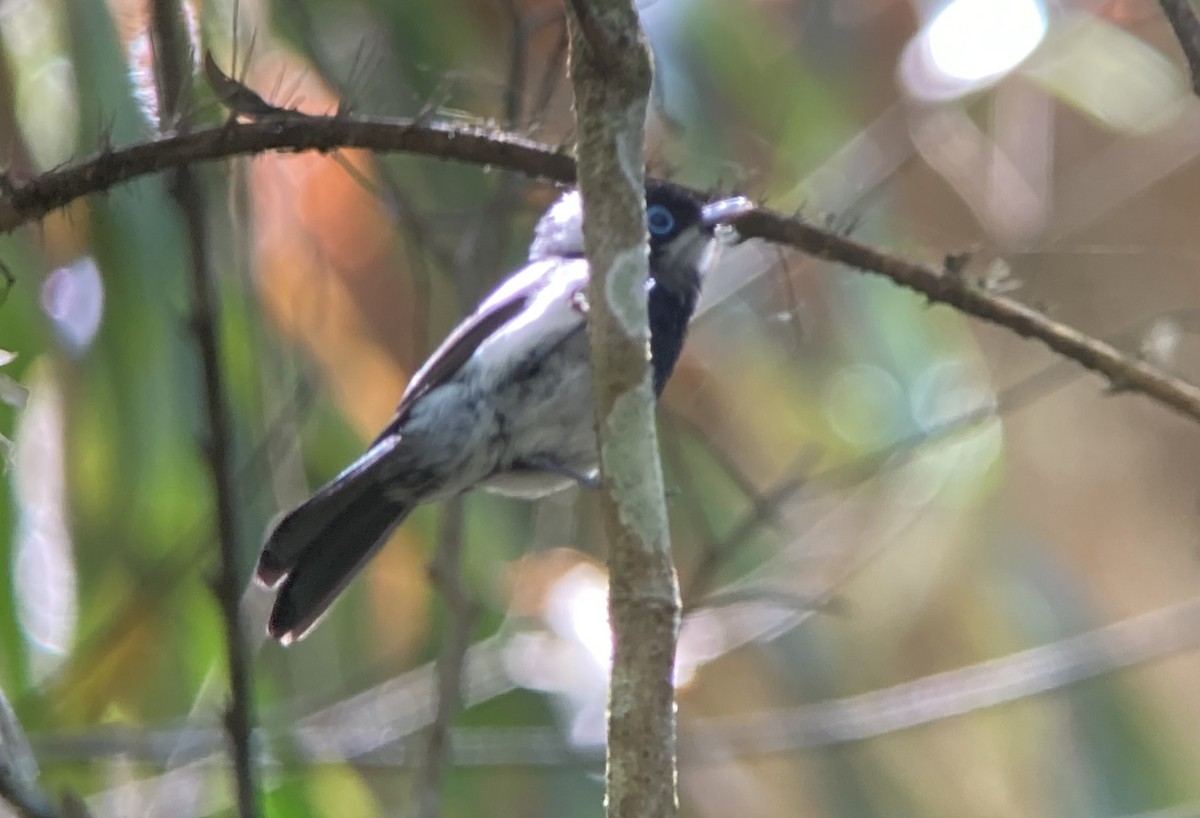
<point>681,229</point>
<point>671,213</point>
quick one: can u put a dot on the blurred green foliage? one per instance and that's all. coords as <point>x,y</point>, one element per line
<point>337,276</point>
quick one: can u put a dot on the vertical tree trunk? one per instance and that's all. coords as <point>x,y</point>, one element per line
<point>611,74</point>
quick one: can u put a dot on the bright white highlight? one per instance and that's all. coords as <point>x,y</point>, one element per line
<point>571,655</point>
<point>73,299</point>
<point>43,561</point>
<point>977,39</point>
<point>969,44</point>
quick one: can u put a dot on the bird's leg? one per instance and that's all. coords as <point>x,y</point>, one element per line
<point>590,482</point>
<point>541,462</point>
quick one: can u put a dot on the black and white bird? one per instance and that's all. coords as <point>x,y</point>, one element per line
<point>504,404</point>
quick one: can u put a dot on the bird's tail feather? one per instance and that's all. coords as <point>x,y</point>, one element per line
<point>317,548</point>
<point>341,550</point>
<point>302,527</point>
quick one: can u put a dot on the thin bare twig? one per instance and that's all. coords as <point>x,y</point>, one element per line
<point>514,91</point>
<point>239,718</point>
<point>765,507</point>
<point>168,41</point>
<point>486,239</point>
<point>446,573</point>
<point>19,769</point>
<point>1186,25</point>
<point>6,282</point>
<point>172,59</point>
<point>551,75</point>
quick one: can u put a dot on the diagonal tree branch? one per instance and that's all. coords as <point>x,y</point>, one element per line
<point>1123,372</point>
<point>30,200</point>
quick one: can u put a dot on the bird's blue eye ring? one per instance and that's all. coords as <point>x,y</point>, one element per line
<point>659,220</point>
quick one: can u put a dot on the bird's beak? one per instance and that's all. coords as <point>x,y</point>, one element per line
<point>724,211</point>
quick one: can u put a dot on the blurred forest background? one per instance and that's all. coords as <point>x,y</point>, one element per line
<point>929,568</point>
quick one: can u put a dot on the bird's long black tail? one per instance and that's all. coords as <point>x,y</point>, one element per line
<point>317,548</point>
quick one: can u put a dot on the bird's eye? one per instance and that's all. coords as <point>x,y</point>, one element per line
<point>659,220</point>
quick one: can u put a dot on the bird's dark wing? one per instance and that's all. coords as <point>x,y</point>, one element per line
<point>505,303</point>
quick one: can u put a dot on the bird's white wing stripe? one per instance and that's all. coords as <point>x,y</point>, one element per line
<point>551,315</point>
